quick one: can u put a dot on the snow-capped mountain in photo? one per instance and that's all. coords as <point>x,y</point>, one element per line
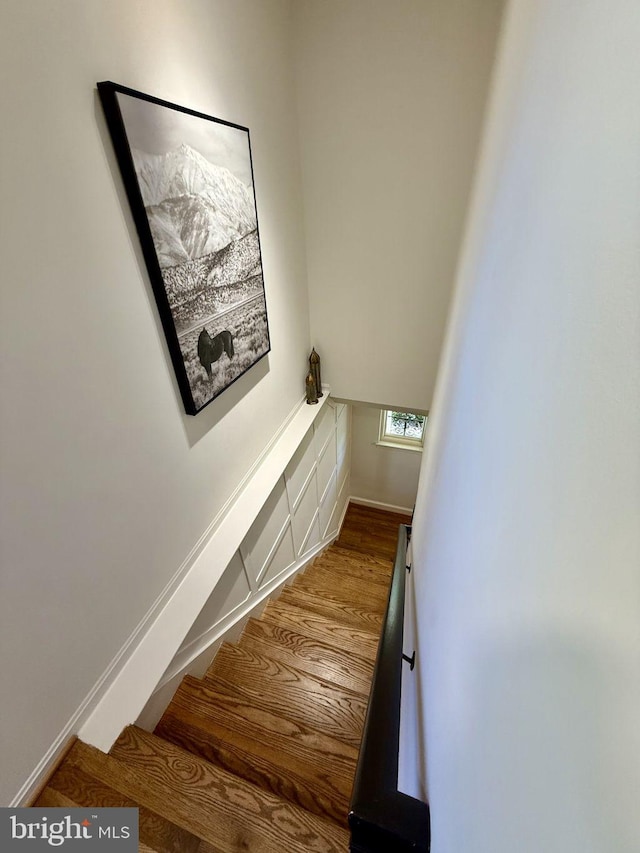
<point>194,207</point>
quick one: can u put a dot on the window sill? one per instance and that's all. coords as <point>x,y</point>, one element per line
<point>399,445</point>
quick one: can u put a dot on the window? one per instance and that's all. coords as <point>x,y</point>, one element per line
<point>402,429</point>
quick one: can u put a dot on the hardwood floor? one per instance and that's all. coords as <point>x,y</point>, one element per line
<point>371,531</point>
<point>260,754</point>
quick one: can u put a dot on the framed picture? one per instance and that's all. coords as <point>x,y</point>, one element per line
<point>189,181</point>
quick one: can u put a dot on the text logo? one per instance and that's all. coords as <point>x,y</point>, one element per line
<point>37,829</point>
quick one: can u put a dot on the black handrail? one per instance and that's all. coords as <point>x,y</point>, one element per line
<point>381,818</point>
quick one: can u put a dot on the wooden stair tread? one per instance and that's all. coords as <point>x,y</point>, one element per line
<point>356,570</point>
<point>308,654</point>
<point>341,611</point>
<point>372,597</point>
<point>295,695</point>
<point>316,774</point>
<point>376,515</point>
<point>360,517</point>
<point>158,834</point>
<point>337,567</point>
<point>355,558</point>
<point>49,798</point>
<point>362,642</point>
<point>225,811</point>
<point>219,746</point>
<point>371,531</point>
<point>266,724</point>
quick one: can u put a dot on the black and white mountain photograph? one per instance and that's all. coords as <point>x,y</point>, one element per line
<point>194,175</point>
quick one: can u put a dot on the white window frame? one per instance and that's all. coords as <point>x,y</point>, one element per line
<point>386,439</point>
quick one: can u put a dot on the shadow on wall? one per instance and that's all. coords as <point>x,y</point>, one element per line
<point>197,427</point>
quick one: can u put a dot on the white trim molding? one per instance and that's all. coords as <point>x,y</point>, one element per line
<point>378,505</point>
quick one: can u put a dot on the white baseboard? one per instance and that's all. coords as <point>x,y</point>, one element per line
<point>378,505</point>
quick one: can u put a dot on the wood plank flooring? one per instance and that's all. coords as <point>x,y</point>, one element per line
<point>259,755</point>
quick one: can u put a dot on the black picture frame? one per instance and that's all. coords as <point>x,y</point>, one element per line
<point>189,180</point>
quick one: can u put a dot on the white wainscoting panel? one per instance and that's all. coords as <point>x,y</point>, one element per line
<point>300,468</point>
<point>333,528</point>
<point>342,501</point>
<point>265,531</point>
<point>305,513</point>
<point>343,488</point>
<point>313,539</point>
<point>328,503</point>
<point>343,432</point>
<point>231,591</point>
<point>283,557</point>
<point>324,426</point>
<point>327,464</point>
<point>343,469</point>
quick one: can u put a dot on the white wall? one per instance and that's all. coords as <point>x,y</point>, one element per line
<point>379,474</point>
<point>390,99</point>
<point>526,535</point>
<point>106,486</point>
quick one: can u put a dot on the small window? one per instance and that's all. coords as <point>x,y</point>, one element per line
<point>402,429</point>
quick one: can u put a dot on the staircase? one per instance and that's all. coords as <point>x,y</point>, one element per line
<point>259,755</point>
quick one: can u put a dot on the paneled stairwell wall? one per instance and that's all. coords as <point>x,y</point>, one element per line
<point>303,512</point>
